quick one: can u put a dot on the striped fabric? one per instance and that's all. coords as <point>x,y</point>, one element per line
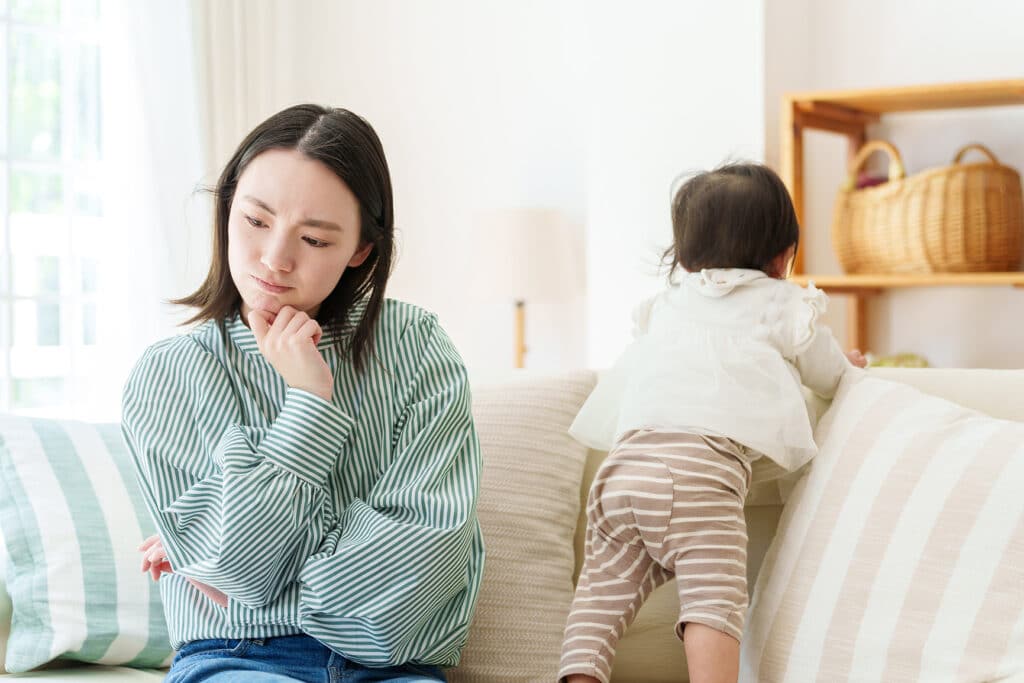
<point>901,556</point>
<point>352,521</point>
<point>72,517</point>
<point>663,504</point>
<point>529,502</point>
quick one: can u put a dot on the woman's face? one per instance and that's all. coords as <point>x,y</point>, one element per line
<point>292,231</point>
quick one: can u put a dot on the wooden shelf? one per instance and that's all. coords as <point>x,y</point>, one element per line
<point>917,98</point>
<point>849,113</point>
<point>852,284</point>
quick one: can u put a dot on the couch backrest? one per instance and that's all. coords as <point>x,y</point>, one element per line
<point>650,651</point>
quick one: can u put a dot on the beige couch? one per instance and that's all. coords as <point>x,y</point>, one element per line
<point>650,652</point>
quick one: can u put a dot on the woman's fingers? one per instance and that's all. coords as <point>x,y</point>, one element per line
<point>311,329</point>
<point>259,323</point>
<point>295,324</point>
<point>145,545</point>
<point>289,326</point>
<point>149,548</point>
<point>284,317</point>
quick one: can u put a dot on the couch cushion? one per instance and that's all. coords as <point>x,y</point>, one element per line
<point>900,556</point>
<point>529,498</point>
<point>72,519</point>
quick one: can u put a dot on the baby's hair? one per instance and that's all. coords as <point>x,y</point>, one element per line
<point>738,215</point>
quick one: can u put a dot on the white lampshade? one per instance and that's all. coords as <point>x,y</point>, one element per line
<point>530,254</point>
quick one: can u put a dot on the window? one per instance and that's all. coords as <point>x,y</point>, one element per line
<point>50,202</point>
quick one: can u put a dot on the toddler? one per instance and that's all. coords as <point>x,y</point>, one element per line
<point>710,384</point>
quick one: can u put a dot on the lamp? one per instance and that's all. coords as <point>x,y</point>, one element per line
<point>526,254</point>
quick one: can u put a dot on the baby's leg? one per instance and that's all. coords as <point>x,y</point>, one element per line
<point>711,655</point>
<point>632,492</point>
<point>707,546</point>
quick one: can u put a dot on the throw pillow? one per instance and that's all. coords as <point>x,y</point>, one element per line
<point>529,501</point>
<point>5,604</point>
<point>900,556</point>
<point>72,518</point>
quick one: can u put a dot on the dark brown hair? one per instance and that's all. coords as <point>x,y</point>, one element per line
<point>738,215</point>
<point>348,145</point>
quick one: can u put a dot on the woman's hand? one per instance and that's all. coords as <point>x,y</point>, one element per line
<point>154,558</point>
<point>857,358</point>
<point>154,561</point>
<point>288,342</point>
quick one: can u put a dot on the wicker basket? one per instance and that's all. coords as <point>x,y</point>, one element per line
<point>957,218</point>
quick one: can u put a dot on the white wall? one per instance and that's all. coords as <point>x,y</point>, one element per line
<point>595,108</point>
<point>478,105</point>
<point>674,87</point>
<point>874,43</point>
<point>589,107</point>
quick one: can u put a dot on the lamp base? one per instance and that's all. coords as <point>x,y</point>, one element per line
<point>520,333</point>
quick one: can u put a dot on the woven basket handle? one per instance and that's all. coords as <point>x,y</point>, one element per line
<point>981,148</point>
<point>896,170</point>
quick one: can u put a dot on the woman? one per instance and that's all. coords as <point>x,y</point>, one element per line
<point>307,451</point>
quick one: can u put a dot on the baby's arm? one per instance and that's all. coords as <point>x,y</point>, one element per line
<point>810,345</point>
<point>821,363</point>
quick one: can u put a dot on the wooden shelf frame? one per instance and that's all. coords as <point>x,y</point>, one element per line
<point>852,284</point>
<point>849,113</point>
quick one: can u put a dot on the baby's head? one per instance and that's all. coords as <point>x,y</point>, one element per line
<point>736,216</point>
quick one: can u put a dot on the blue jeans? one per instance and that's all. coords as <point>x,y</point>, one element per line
<point>288,659</point>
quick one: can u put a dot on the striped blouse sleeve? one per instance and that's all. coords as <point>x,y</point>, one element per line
<point>408,555</point>
<point>237,508</point>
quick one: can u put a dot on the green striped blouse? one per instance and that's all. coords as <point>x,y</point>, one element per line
<point>352,521</point>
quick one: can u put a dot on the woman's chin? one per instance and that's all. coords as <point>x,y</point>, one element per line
<point>264,302</point>
<point>268,306</point>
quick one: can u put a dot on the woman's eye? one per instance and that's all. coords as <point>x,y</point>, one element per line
<point>312,241</point>
<point>255,222</point>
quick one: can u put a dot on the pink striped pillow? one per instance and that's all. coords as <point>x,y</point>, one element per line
<point>900,556</point>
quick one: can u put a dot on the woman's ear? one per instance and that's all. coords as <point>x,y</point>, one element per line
<point>361,255</point>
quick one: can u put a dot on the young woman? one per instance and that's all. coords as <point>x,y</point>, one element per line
<point>307,451</point>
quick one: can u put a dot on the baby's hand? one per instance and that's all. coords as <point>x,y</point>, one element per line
<point>857,358</point>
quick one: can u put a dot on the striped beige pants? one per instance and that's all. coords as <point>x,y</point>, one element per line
<point>662,504</point>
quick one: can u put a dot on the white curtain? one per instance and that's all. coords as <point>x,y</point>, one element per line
<point>156,226</point>
<point>248,57</point>
<point>183,82</point>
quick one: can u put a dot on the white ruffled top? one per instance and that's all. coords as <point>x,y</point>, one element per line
<point>724,352</point>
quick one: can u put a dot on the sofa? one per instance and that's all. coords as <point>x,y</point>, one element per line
<point>854,568</point>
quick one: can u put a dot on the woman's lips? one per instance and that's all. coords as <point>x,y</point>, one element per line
<point>267,287</point>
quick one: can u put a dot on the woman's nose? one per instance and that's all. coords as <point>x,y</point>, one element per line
<point>276,256</point>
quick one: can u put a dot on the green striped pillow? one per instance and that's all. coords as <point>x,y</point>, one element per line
<point>72,517</point>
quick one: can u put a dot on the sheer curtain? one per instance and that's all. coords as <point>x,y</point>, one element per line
<point>249,58</point>
<point>183,82</point>
<point>156,224</point>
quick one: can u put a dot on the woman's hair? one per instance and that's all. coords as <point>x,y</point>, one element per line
<point>348,145</point>
<point>736,216</point>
